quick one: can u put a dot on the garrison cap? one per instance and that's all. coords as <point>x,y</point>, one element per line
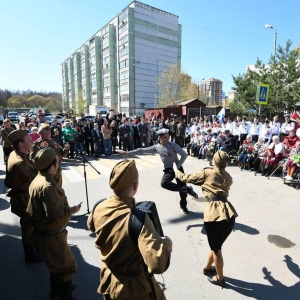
<point>44,158</point>
<point>44,126</point>
<point>16,135</point>
<point>123,175</point>
<point>221,158</point>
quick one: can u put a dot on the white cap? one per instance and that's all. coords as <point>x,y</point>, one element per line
<point>162,131</point>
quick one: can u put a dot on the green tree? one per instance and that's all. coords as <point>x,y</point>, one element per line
<point>35,101</point>
<point>175,85</point>
<point>16,101</point>
<point>282,73</point>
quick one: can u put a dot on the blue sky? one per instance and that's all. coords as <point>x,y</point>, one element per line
<point>219,38</point>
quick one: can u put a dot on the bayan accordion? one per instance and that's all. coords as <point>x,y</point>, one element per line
<point>149,208</point>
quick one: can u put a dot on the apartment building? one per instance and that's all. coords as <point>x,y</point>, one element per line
<point>211,91</point>
<point>119,65</point>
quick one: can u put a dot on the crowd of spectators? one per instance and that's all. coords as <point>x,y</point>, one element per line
<point>261,144</point>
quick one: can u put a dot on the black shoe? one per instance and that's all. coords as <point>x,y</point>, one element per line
<point>185,210</point>
<point>210,272</point>
<point>216,281</point>
<point>192,192</point>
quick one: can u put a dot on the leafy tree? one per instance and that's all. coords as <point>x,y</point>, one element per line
<point>175,85</point>
<point>282,73</point>
<point>35,101</point>
<point>169,86</point>
<point>16,101</point>
<point>4,96</point>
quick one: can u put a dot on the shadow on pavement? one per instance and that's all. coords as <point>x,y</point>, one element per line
<point>191,216</point>
<point>31,281</point>
<point>4,204</point>
<point>275,291</point>
<point>87,278</point>
<point>10,230</point>
<point>245,228</point>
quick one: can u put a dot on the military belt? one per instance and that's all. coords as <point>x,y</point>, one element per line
<point>217,198</point>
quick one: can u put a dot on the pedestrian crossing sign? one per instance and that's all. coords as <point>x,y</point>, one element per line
<point>262,93</point>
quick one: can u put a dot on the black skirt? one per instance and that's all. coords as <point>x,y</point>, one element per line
<point>217,233</point>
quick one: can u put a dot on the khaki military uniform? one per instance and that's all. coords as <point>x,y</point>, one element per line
<point>20,172</point>
<point>122,274</point>
<point>7,145</point>
<point>215,182</point>
<point>50,212</point>
<point>60,152</point>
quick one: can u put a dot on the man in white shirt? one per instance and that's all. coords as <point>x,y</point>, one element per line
<point>287,126</point>
<point>243,130</point>
<point>236,134</point>
<point>275,126</point>
<point>266,132</point>
<point>255,130</point>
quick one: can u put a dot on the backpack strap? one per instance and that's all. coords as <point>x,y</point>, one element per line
<point>96,204</point>
<point>136,221</point>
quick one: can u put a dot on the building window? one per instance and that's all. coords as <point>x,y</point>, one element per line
<point>123,28</point>
<point>105,40</point>
<point>105,52</point>
<point>124,87</point>
<point>123,51</point>
<point>124,75</point>
<point>123,16</point>
<point>105,30</point>
<point>124,98</point>
<point>124,63</point>
<point>123,40</point>
<point>106,80</point>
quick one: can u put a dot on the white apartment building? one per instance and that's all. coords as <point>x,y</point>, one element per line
<point>119,65</point>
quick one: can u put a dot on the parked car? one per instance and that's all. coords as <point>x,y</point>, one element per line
<point>14,116</point>
<point>60,119</point>
<point>89,117</point>
<point>48,119</point>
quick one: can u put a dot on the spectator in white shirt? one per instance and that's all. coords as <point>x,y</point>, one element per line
<point>236,134</point>
<point>275,126</point>
<point>255,130</point>
<point>266,131</point>
<point>243,130</point>
<point>287,126</point>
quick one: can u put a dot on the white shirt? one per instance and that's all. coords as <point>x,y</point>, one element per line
<point>243,128</point>
<point>287,127</point>
<point>265,132</point>
<point>255,128</point>
<point>279,148</point>
<point>275,126</point>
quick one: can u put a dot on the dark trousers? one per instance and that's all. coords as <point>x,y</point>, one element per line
<point>179,186</point>
<point>89,146</point>
<point>236,142</point>
<point>255,138</point>
<point>126,141</point>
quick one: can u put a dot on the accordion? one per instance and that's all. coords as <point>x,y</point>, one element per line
<point>149,208</point>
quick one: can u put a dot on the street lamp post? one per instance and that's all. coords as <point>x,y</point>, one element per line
<point>275,36</point>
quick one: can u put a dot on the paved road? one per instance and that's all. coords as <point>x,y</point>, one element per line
<point>262,255</point>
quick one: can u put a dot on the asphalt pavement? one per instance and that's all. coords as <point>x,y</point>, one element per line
<point>261,255</point>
